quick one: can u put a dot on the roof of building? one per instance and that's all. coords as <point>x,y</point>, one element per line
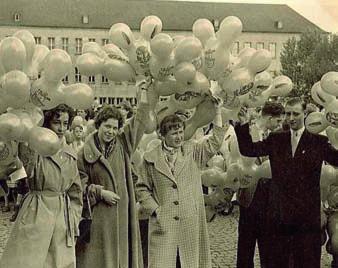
<point>175,15</point>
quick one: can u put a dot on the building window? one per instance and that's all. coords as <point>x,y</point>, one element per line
<point>91,39</point>
<point>247,44</point>
<point>111,100</point>
<point>118,83</point>
<point>17,17</point>
<point>51,43</point>
<point>102,100</point>
<point>65,43</point>
<point>37,40</point>
<point>78,46</point>
<point>235,49</point>
<point>272,49</point>
<point>105,41</point>
<point>77,76</point>
<point>91,79</point>
<point>39,75</point>
<point>104,80</point>
<point>85,19</point>
<point>119,100</point>
<point>65,79</point>
<point>260,45</point>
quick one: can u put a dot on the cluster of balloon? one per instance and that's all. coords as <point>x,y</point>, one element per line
<point>24,94</point>
<point>325,93</point>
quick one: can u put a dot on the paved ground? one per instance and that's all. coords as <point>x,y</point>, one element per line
<point>223,236</point>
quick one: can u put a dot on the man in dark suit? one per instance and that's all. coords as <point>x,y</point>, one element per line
<point>296,158</point>
<point>254,200</point>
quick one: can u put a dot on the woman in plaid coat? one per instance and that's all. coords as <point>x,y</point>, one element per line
<point>170,191</point>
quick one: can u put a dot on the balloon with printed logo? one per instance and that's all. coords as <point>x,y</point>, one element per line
<point>29,41</point>
<point>211,177</point>
<point>188,49</point>
<point>150,27</point>
<point>185,73</point>
<point>162,45</point>
<point>257,96</point>
<point>315,122</point>
<point>153,144</point>
<point>165,108</point>
<point>241,81</point>
<point>328,177</point>
<point>186,100</point>
<point>331,113</point>
<point>57,65</point>
<point>44,141</point>
<point>139,56</point>
<point>119,71</point>
<point>121,35</point>
<point>234,173</point>
<point>90,64</point>
<point>15,86</point>
<point>146,139</point>
<point>281,86</point>
<point>203,29</point>
<point>12,54</point>
<point>320,96</point>
<point>10,127</point>
<point>199,86</point>
<point>329,83</point>
<point>114,52</point>
<point>78,96</point>
<point>46,95</point>
<point>229,30</point>
<point>216,59</point>
<point>161,69</point>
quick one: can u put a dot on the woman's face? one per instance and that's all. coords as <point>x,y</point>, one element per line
<point>59,124</point>
<point>108,130</point>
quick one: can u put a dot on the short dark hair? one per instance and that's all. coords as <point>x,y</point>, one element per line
<point>272,109</point>
<point>49,115</point>
<point>294,101</point>
<point>106,113</point>
<point>170,122</point>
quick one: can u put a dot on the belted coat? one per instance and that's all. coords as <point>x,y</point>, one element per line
<point>44,231</point>
<point>180,223</point>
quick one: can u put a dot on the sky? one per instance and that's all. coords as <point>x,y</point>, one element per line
<point>324,13</point>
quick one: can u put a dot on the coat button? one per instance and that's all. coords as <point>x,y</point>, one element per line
<point>176,218</point>
<point>176,202</point>
<point>174,186</point>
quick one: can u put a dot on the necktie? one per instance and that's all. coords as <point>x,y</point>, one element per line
<point>294,141</point>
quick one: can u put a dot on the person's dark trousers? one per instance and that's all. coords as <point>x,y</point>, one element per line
<point>144,227</point>
<point>295,247</point>
<point>178,262</point>
<point>252,228</point>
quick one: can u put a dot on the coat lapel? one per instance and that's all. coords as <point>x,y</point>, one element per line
<point>92,155</point>
<point>304,140</point>
<point>180,163</point>
<point>66,149</point>
<point>156,156</point>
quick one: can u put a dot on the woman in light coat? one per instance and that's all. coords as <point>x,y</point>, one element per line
<point>170,191</point>
<point>44,231</point>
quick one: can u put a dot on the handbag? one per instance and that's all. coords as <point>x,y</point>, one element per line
<point>85,224</point>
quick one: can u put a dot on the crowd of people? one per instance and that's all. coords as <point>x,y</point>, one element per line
<point>83,206</point>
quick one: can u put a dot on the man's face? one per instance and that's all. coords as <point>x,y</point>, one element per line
<point>273,123</point>
<point>294,116</point>
<point>60,124</point>
<point>108,130</point>
<point>175,137</point>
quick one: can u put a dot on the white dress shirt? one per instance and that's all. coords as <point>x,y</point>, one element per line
<point>295,137</point>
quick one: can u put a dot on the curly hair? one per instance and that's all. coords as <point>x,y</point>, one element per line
<point>170,122</point>
<point>106,113</point>
<point>273,109</point>
<point>49,115</point>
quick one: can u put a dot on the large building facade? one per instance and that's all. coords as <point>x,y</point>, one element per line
<point>68,25</point>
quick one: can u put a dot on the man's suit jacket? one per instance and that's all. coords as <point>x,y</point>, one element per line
<point>295,188</point>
